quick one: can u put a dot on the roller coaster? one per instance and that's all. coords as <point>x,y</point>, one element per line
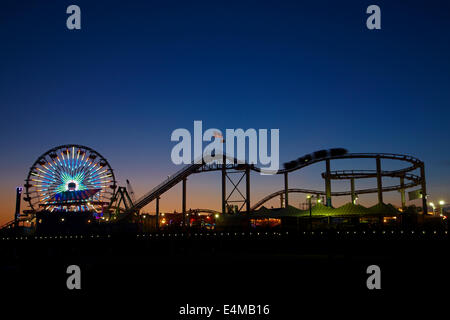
<point>412,179</point>
<point>83,178</point>
<point>406,178</point>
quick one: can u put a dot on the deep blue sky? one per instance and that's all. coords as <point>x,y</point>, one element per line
<point>140,69</point>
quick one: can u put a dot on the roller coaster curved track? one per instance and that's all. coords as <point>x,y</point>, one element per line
<point>318,192</point>
<point>345,174</point>
<point>416,163</point>
<point>210,211</point>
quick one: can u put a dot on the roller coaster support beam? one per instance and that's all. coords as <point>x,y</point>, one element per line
<point>157,213</point>
<point>286,187</point>
<point>281,200</point>
<point>352,188</point>
<point>237,200</point>
<point>183,206</point>
<point>424,189</point>
<point>121,196</point>
<point>328,183</point>
<point>402,191</point>
<point>224,184</point>
<point>247,188</point>
<point>379,181</point>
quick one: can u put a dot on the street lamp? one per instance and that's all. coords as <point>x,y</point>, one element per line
<point>433,206</point>
<point>441,205</point>
<point>310,211</point>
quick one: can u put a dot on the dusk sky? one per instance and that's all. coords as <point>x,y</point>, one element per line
<point>137,70</point>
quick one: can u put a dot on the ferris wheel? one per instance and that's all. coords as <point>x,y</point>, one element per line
<point>70,178</point>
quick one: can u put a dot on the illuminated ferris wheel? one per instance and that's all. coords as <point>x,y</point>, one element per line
<point>70,178</point>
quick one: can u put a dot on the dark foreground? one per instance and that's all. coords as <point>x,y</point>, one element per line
<point>293,273</point>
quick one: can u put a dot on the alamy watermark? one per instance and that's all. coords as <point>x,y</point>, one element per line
<point>235,141</point>
<point>73,21</point>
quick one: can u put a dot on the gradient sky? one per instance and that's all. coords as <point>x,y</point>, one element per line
<point>137,70</point>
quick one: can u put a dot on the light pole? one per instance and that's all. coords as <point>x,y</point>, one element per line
<point>433,206</point>
<point>441,206</point>
<point>310,211</point>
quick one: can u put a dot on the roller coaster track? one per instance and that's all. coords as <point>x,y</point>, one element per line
<point>232,163</point>
<point>363,174</point>
<point>8,224</point>
<point>318,192</point>
<point>178,177</point>
<point>165,185</point>
<point>13,222</point>
<point>204,211</point>
<point>414,161</point>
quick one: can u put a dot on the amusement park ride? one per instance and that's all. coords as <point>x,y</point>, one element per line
<point>70,178</point>
<point>75,178</point>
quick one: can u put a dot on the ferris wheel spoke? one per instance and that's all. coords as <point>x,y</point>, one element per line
<point>92,174</point>
<point>82,165</point>
<point>69,168</point>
